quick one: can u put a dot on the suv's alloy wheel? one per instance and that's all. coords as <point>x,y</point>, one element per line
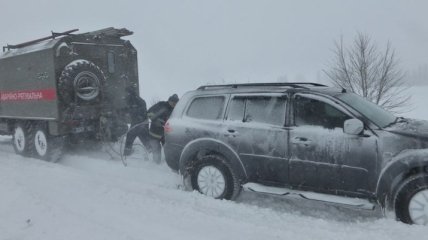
<point>212,176</point>
<point>411,200</point>
<point>211,181</point>
<point>418,207</point>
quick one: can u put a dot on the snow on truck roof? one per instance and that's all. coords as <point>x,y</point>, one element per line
<point>50,41</point>
<point>47,44</point>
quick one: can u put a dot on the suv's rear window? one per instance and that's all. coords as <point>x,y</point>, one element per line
<point>206,108</point>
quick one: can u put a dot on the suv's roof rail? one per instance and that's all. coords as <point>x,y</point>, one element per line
<point>276,84</point>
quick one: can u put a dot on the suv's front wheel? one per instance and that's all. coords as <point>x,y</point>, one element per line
<point>411,200</point>
<point>213,176</point>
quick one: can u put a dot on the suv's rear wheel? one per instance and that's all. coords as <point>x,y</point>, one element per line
<point>411,200</point>
<point>213,176</point>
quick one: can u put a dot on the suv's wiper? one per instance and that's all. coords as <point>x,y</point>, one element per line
<point>397,120</point>
<point>401,119</point>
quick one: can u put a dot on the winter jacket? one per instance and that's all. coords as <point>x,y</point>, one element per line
<point>159,114</point>
<point>136,108</point>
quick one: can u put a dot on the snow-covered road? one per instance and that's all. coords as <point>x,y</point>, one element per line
<point>90,196</point>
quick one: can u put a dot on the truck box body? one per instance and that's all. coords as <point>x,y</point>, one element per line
<point>71,82</point>
<point>28,83</point>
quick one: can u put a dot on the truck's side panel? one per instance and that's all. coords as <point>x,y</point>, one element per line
<point>28,86</point>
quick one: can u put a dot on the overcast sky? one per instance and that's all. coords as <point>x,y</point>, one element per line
<point>184,44</point>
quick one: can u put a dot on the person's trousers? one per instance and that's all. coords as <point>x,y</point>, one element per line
<point>138,130</point>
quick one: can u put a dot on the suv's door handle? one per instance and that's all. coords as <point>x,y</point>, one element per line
<point>231,133</point>
<point>301,141</point>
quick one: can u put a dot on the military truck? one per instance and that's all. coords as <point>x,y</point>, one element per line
<point>66,87</point>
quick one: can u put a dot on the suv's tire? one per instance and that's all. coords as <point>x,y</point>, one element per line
<point>411,200</point>
<point>22,138</point>
<point>81,80</point>
<point>47,147</point>
<point>212,176</point>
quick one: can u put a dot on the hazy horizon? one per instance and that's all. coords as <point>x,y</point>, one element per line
<point>184,44</point>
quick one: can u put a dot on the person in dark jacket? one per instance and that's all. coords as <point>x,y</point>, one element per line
<point>139,123</point>
<point>159,114</point>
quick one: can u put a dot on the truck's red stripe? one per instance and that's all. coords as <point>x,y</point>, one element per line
<point>28,95</point>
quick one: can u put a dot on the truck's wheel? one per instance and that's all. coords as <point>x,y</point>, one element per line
<point>47,147</point>
<point>411,200</point>
<point>80,80</point>
<point>212,176</point>
<point>22,138</point>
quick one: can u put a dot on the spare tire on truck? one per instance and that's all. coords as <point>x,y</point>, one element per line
<point>81,81</point>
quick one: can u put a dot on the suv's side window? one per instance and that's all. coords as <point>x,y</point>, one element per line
<point>261,109</point>
<point>309,111</point>
<point>237,109</point>
<point>206,108</point>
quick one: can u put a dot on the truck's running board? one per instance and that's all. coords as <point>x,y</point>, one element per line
<point>345,201</point>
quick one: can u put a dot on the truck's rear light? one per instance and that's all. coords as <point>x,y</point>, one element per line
<point>167,127</point>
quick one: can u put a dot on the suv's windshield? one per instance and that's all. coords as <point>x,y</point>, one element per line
<point>373,112</point>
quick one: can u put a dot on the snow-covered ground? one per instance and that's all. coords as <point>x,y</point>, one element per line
<point>89,195</point>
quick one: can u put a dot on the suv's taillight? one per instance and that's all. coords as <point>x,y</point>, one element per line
<point>167,127</point>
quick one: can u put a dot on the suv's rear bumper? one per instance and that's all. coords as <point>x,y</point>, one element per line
<point>172,155</point>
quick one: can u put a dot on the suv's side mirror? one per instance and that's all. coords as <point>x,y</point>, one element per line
<point>353,126</point>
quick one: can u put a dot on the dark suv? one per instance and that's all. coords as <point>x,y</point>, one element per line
<point>300,139</point>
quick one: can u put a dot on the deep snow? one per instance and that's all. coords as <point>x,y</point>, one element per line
<point>88,195</point>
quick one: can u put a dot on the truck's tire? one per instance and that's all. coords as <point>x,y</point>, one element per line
<point>22,138</point>
<point>213,176</point>
<point>81,81</point>
<point>411,200</point>
<point>45,146</point>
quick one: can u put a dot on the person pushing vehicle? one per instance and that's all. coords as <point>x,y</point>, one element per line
<point>159,114</point>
